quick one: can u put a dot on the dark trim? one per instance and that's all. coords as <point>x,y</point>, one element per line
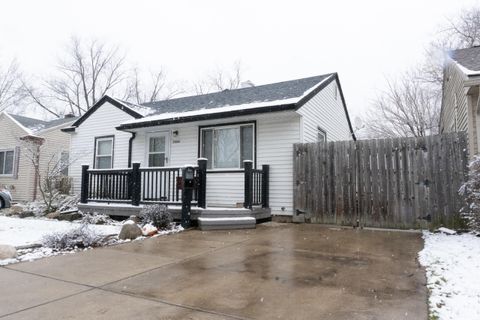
<point>130,143</point>
<point>254,122</point>
<point>68,129</point>
<point>333,76</point>
<point>95,149</point>
<point>97,105</point>
<point>212,116</point>
<point>312,93</point>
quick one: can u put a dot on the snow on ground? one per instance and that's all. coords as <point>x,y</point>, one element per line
<point>20,232</point>
<point>452,263</point>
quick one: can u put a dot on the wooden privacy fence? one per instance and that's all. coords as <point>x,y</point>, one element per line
<point>394,183</point>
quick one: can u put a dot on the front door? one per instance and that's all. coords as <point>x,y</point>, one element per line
<point>158,148</point>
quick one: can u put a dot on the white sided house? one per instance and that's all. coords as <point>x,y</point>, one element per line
<point>246,136</point>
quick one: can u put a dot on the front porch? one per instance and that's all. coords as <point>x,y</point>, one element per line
<point>124,192</point>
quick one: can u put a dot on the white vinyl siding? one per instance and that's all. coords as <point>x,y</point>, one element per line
<point>326,111</point>
<point>276,134</point>
<point>101,123</point>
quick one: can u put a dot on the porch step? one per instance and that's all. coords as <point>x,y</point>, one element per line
<point>226,223</point>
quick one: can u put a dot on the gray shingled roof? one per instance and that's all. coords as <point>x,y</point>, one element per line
<point>264,93</point>
<point>37,124</point>
<point>468,58</point>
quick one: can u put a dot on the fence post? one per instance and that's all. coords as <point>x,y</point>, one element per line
<point>202,182</point>
<point>265,185</point>
<point>248,165</point>
<point>136,184</point>
<point>84,184</point>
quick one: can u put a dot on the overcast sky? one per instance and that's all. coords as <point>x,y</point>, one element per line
<point>364,41</point>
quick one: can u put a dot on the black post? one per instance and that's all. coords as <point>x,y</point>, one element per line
<point>265,185</point>
<point>188,185</point>
<point>84,185</point>
<point>248,165</point>
<point>136,184</point>
<point>202,182</point>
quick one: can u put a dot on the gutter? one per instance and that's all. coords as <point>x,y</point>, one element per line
<point>130,143</point>
<point>208,116</point>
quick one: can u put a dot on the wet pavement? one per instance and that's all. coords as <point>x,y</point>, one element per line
<point>277,271</point>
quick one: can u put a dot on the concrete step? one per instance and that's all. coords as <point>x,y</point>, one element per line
<point>226,223</point>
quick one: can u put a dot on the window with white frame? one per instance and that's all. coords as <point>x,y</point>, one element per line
<point>226,147</point>
<point>321,135</point>
<point>7,162</point>
<point>104,152</point>
<point>157,151</point>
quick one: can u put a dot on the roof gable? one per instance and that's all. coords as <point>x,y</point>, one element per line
<point>127,108</point>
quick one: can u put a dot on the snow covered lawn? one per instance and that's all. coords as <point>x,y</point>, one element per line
<point>452,263</point>
<point>20,232</point>
<point>30,231</point>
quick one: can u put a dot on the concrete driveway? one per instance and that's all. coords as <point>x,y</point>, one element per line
<point>278,271</point>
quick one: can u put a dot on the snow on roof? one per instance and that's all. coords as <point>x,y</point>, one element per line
<point>468,60</point>
<point>34,126</point>
<point>292,96</point>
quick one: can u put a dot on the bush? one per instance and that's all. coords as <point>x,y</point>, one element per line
<point>157,215</point>
<point>81,237</point>
<point>471,191</point>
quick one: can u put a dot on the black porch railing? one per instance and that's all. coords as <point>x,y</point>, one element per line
<point>256,185</point>
<point>141,185</point>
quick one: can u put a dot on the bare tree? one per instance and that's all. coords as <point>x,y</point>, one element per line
<point>220,80</point>
<point>89,70</point>
<point>464,31</point>
<point>10,84</point>
<point>49,180</point>
<point>408,108</point>
<point>156,88</point>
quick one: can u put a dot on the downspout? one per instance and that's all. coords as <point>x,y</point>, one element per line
<point>36,178</point>
<point>130,143</point>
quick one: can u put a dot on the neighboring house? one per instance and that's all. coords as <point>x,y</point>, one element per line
<point>257,123</point>
<point>17,172</point>
<point>460,98</point>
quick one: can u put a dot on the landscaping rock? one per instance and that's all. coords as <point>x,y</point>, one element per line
<point>7,252</point>
<point>53,215</point>
<point>26,214</point>
<point>70,216</point>
<point>130,231</point>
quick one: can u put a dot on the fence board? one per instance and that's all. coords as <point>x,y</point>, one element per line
<point>393,183</point>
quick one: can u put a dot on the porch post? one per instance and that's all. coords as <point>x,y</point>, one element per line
<point>84,184</point>
<point>202,182</point>
<point>248,165</point>
<point>136,184</point>
<point>265,185</point>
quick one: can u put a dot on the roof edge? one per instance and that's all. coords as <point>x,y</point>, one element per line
<point>209,116</point>
<point>27,131</point>
<point>105,98</point>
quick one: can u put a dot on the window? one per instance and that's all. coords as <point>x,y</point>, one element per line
<point>321,135</point>
<point>226,147</point>
<point>6,162</point>
<point>104,153</point>
<point>157,151</point>
<point>64,162</point>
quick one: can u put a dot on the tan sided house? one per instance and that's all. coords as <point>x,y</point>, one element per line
<point>239,141</point>
<point>17,173</point>
<point>460,99</point>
